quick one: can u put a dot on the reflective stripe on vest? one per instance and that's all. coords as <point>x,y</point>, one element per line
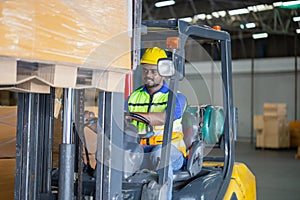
<point>141,101</point>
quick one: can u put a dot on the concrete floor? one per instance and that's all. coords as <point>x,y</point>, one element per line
<point>277,172</point>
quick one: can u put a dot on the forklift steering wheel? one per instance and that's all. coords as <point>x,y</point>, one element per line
<point>149,127</point>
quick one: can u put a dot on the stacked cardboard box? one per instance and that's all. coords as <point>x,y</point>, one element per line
<point>272,127</point>
<point>90,138</point>
<point>8,121</point>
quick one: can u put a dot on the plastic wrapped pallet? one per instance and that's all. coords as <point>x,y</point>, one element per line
<point>60,39</point>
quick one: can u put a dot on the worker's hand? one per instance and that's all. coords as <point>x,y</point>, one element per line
<point>90,120</point>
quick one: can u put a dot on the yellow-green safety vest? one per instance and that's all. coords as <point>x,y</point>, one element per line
<point>141,101</point>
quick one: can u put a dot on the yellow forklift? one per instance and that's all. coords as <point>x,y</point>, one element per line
<point>200,67</point>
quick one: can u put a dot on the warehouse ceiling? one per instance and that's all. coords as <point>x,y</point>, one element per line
<point>273,17</point>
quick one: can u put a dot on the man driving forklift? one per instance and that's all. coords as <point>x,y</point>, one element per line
<point>150,102</point>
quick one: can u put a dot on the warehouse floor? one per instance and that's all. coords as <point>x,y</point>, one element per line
<point>277,171</point>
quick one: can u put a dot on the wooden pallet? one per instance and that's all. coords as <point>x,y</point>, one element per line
<point>38,77</point>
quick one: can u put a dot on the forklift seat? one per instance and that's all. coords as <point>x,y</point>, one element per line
<point>208,129</point>
<point>194,145</point>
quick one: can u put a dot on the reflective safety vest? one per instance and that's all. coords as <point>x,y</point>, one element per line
<point>141,101</point>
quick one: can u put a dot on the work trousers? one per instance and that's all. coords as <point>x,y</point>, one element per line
<point>153,154</point>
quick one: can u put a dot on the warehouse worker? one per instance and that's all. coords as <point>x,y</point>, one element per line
<point>150,101</point>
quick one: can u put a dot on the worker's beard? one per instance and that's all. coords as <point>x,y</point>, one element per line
<point>154,85</point>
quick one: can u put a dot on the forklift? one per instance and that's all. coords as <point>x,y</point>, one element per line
<point>210,129</point>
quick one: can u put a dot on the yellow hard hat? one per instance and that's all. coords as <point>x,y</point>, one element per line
<point>152,55</point>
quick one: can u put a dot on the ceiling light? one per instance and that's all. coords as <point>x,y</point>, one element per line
<point>222,13</point>
<point>238,11</point>
<point>259,35</point>
<point>215,14</point>
<point>264,7</point>
<point>242,26</point>
<point>250,25</point>
<point>296,19</point>
<point>186,19</point>
<point>291,3</point>
<point>298,31</point>
<point>201,16</point>
<point>208,16</point>
<point>164,3</point>
<point>277,4</point>
<point>261,7</point>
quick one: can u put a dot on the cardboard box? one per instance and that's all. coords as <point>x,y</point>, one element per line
<point>294,129</point>
<point>275,125</point>
<point>57,140</point>
<point>294,125</point>
<point>90,138</point>
<point>264,140</point>
<point>258,122</point>
<point>92,33</point>
<point>274,109</point>
<point>276,141</point>
<point>91,142</point>
<point>8,129</point>
<point>272,131</point>
<point>58,75</point>
<point>260,140</point>
<point>8,124</point>
<point>7,180</point>
<point>8,71</point>
<point>60,38</point>
<point>4,98</point>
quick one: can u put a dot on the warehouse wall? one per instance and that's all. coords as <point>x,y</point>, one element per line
<point>273,82</point>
